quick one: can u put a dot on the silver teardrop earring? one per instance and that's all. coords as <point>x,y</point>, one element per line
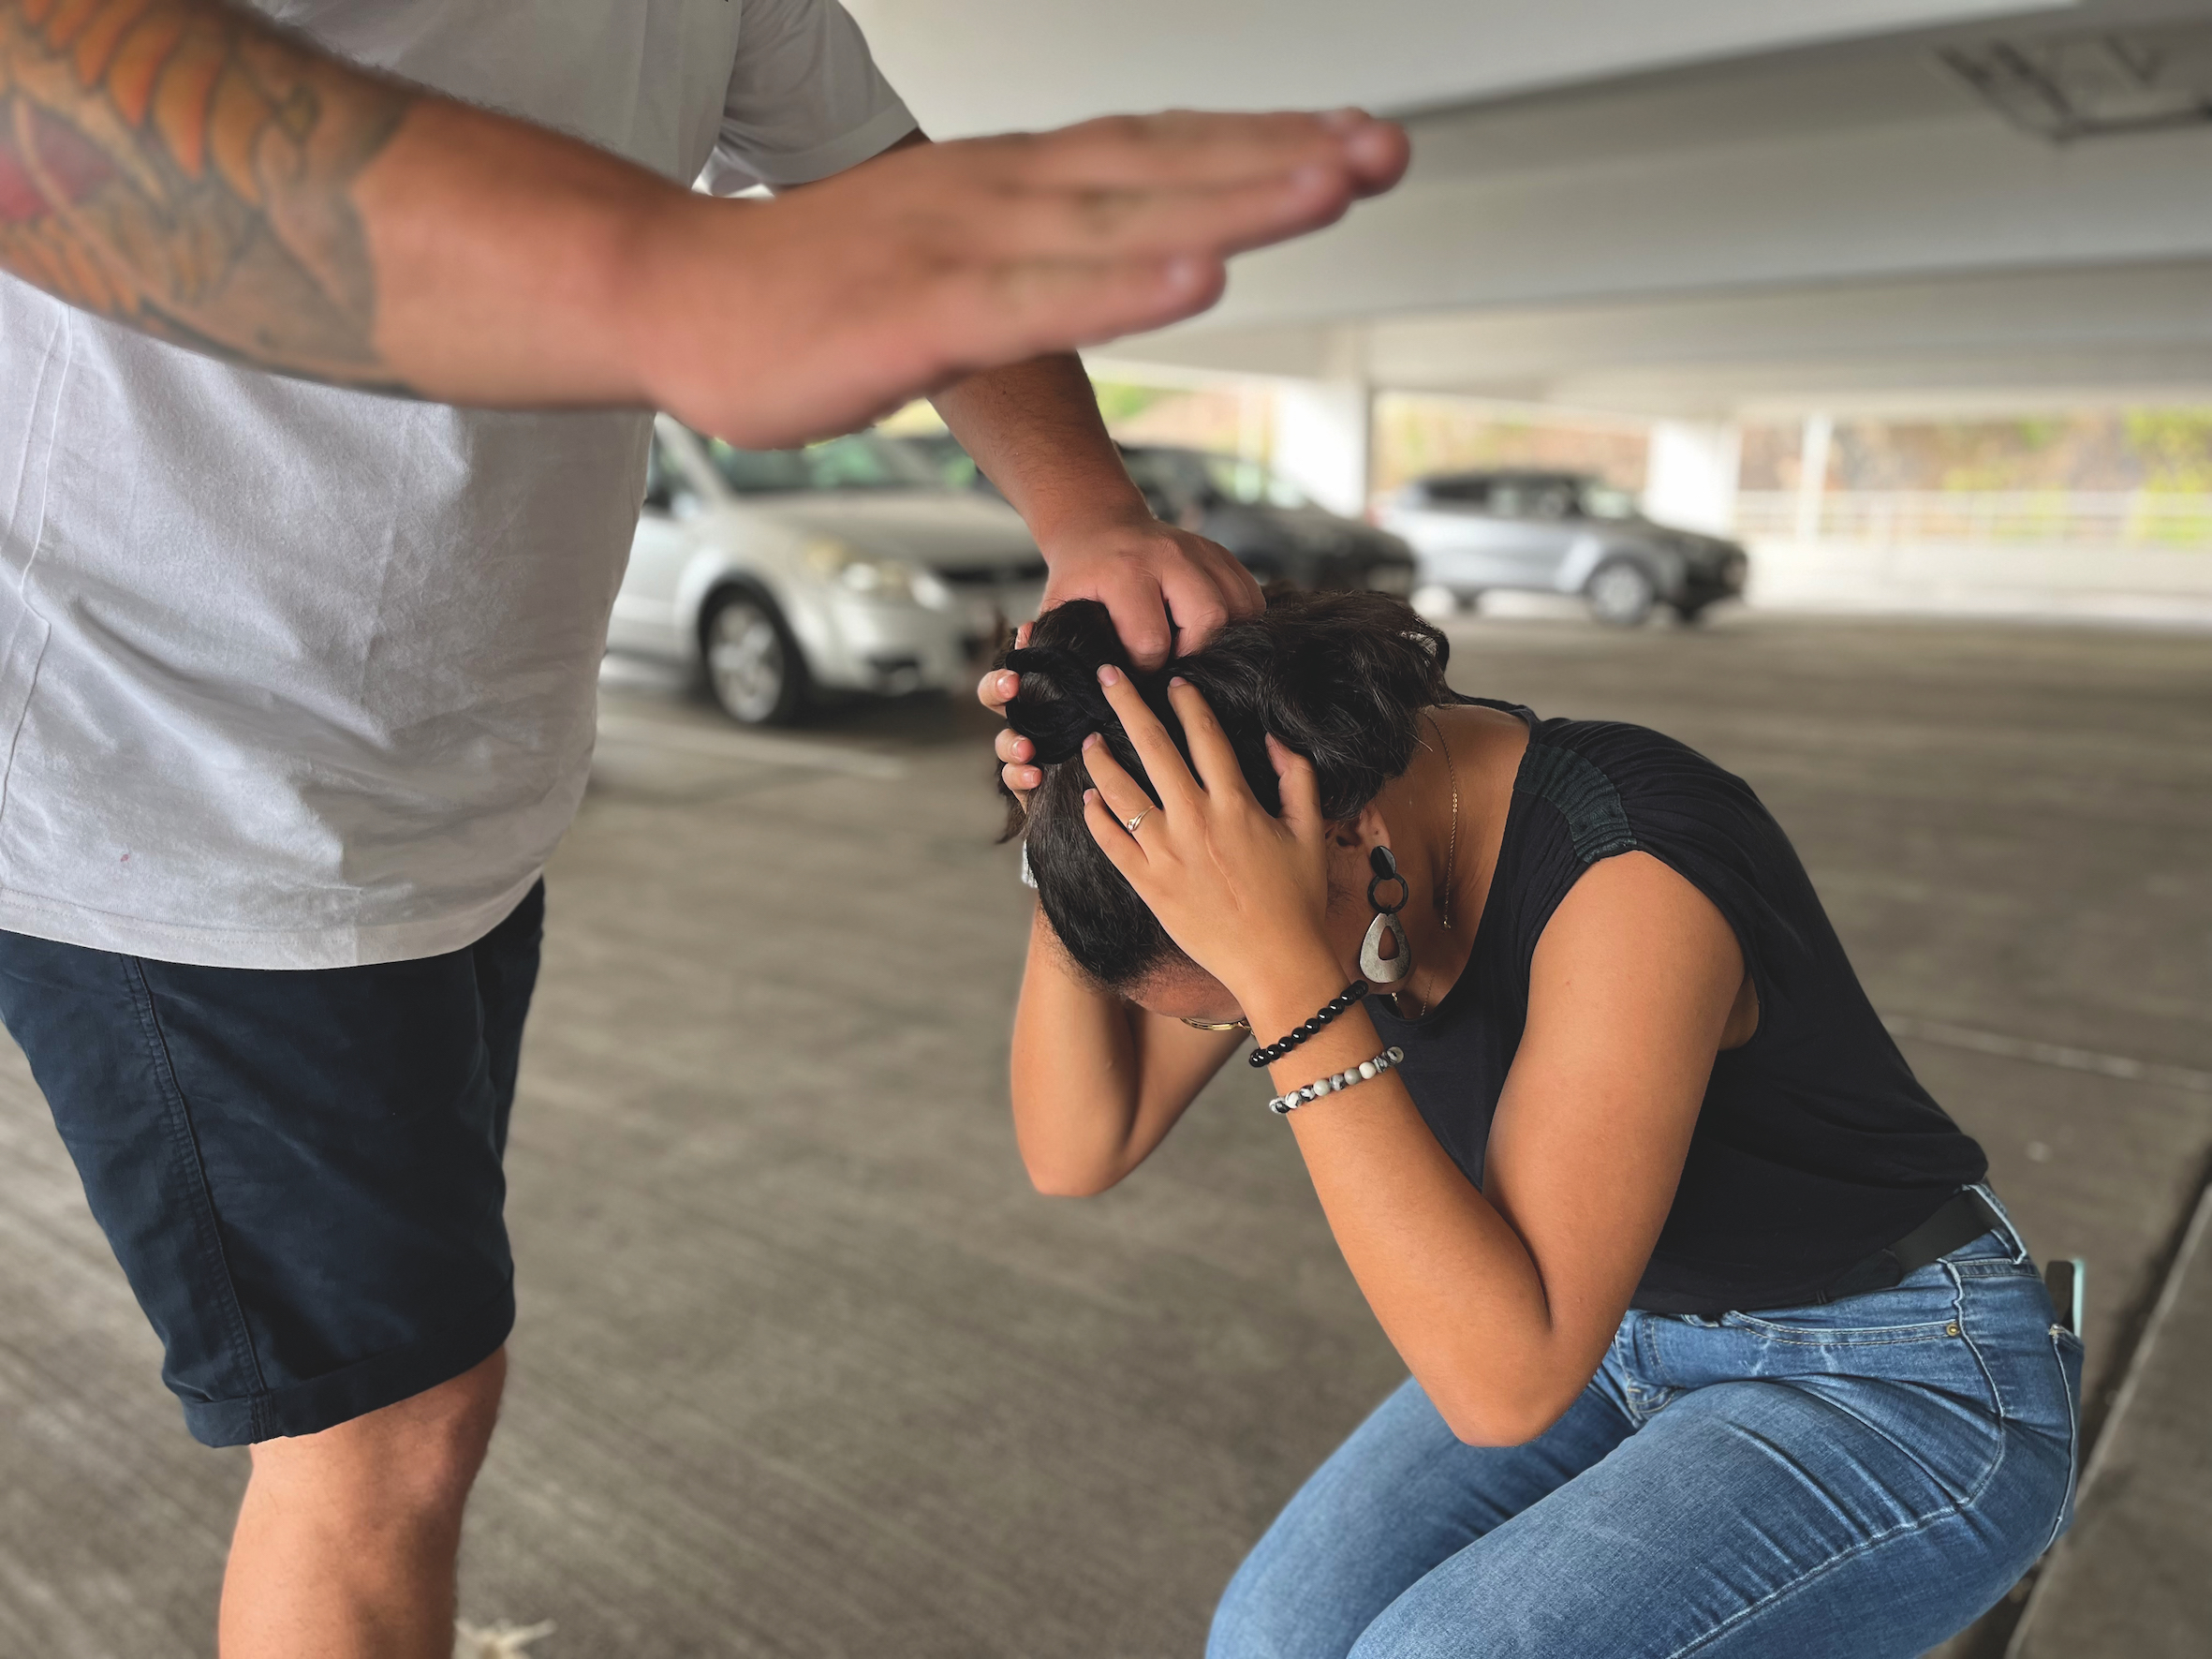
<point>1382,970</point>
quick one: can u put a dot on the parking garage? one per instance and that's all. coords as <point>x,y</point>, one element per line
<point>802,1366</point>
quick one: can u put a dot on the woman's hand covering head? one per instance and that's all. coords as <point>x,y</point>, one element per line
<point>1340,679</point>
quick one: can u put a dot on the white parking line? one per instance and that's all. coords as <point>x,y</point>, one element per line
<point>2050,1054</point>
<point>496,1641</point>
<point>751,746</point>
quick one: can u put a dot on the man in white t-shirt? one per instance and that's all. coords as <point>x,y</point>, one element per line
<point>297,658</point>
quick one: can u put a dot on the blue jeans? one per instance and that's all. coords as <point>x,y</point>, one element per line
<point>1862,1478</point>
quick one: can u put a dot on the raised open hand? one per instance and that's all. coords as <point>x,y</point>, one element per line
<point>778,321</point>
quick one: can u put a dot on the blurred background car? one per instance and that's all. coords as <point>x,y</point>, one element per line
<point>1279,533</point>
<point>1559,532</point>
<point>1272,528</point>
<point>955,464</point>
<point>845,566</point>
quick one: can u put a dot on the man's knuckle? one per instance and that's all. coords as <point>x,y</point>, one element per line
<point>1102,212</point>
<point>1123,129</point>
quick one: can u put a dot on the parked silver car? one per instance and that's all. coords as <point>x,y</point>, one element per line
<point>846,566</point>
<point>1559,532</point>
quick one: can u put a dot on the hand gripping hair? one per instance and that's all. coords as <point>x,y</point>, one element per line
<point>1339,677</point>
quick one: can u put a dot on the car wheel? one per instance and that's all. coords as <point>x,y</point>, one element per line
<point>753,665</point>
<point>1434,600</point>
<point>1621,594</point>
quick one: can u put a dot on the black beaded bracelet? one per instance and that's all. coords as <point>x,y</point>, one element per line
<point>1330,1010</point>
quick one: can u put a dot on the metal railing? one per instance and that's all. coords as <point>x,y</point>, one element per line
<point>2032,517</point>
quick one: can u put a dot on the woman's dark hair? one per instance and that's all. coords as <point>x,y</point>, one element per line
<point>1339,677</point>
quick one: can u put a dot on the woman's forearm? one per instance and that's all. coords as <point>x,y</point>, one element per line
<point>1097,1084</point>
<point>1073,1072</point>
<point>1502,1300</point>
<point>1452,1284</point>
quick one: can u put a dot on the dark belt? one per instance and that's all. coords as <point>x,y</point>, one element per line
<point>1961,1221</point>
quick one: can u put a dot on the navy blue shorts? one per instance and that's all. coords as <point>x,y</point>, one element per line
<point>300,1171</point>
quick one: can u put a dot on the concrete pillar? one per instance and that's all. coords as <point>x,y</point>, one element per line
<point>1812,476</point>
<point>1690,476</point>
<point>1255,407</point>
<point>1323,428</point>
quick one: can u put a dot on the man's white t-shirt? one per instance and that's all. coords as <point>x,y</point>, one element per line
<point>300,677</point>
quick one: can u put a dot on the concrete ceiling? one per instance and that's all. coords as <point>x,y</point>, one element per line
<point>1978,342</point>
<point>1691,207</point>
<point>1852,225</point>
<point>985,65</point>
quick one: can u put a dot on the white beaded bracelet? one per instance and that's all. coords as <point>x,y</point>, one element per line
<point>1360,1073</point>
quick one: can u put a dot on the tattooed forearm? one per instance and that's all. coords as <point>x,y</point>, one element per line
<point>183,169</point>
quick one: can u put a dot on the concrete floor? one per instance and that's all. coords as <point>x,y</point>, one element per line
<point>2130,1578</point>
<point>803,1369</point>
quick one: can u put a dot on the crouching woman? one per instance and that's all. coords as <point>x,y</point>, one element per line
<point>1717,1343</point>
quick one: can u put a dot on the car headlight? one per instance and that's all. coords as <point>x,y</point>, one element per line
<point>929,589</point>
<point>856,573</point>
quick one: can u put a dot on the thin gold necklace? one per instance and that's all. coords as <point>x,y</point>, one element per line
<point>1442,903</point>
<point>1451,854</point>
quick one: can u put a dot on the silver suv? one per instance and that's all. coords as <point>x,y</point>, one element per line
<point>1559,532</point>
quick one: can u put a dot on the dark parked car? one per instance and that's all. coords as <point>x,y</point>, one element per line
<point>1278,533</point>
<point>1560,532</point>
<point>942,451</point>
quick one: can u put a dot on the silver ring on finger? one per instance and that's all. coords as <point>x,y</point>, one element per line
<point>1135,818</point>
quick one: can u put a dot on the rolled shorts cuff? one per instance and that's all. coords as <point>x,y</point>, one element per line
<point>367,1385</point>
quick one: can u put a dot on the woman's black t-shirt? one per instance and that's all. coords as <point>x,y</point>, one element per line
<point>1816,1146</point>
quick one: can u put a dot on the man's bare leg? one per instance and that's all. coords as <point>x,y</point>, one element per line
<point>346,1542</point>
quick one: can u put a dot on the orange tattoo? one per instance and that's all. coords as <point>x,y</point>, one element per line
<point>97,45</point>
<point>142,57</point>
<point>181,168</point>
